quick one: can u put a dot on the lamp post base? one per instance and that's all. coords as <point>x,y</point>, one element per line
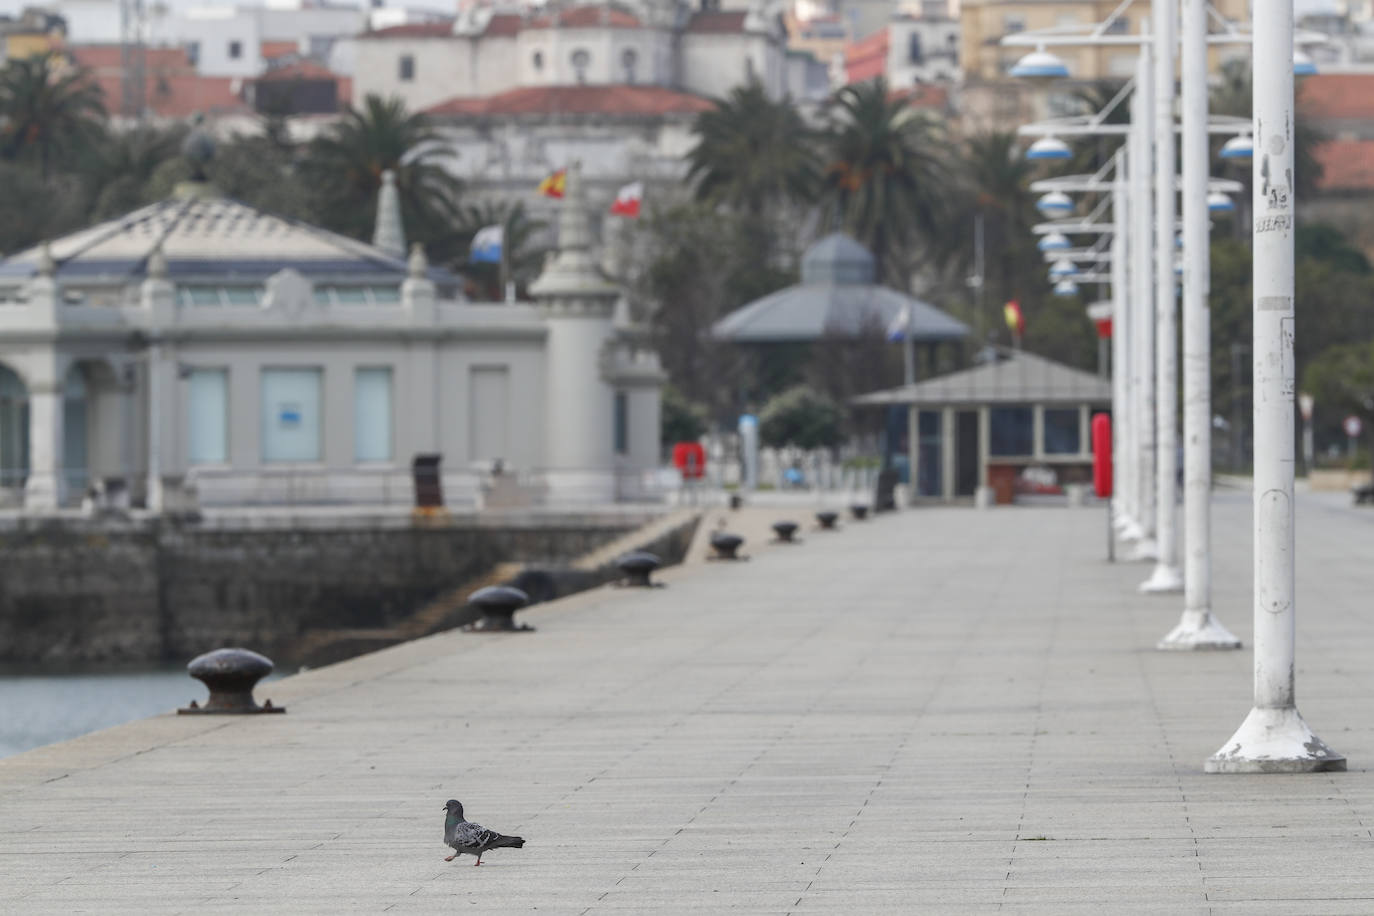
<point>1198,631</point>
<point>1164,580</point>
<point>1146,550</point>
<point>1274,741</point>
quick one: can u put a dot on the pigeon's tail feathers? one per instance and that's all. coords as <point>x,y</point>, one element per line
<point>515,842</point>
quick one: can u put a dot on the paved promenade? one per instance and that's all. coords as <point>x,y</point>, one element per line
<point>940,711</point>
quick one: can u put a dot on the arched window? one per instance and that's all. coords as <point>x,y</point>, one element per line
<point>629,58</point>
<point>538,60</point>
<point>581,60</point>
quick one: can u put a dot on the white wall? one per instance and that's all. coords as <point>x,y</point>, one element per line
<point>443,69</point>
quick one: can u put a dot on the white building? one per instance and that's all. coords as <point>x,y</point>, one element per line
<point>200,351</point>
<point>485,51</point>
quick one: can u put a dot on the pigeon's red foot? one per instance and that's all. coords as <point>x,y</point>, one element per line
<point>450,858</point>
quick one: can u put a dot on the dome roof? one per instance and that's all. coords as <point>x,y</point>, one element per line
<point>837,259</point>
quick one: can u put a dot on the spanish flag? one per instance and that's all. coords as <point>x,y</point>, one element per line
<point>1016,322</point>
<point>553,185</point>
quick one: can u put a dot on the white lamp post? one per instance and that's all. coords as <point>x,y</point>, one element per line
<point>1167,575</point>
<point>1274,737</point>
<point>1141,176</point>
<point>1197,628</point>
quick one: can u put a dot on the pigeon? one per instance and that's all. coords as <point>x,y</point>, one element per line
<point>473,839</point>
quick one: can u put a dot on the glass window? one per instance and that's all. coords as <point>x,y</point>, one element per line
<point>622,423</point>
<point>207,421</point>
<point>291,417</point>
<point>1062,431</point>
<point>351,295</point>
<point>241,295</point>
<point>1012,431</point>
<point>200,295</point>
<point>406,68</point>
<point>385,295</point>
<point>372,414</point>
<point>235,50</point>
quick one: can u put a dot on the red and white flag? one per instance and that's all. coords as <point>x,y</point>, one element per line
<point>627,200</point>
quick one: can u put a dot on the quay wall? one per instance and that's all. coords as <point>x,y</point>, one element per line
<point>73,590</point>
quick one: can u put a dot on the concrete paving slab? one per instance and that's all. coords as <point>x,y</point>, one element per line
<point>942,710</point>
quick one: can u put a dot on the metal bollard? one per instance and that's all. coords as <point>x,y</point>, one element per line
<point>827,519</point>
<point>859,512</point>
<point>230,675</point>
<point>726,545</point>
<point>498,604</point>
<point>638,566</point>
<point>785,532</point>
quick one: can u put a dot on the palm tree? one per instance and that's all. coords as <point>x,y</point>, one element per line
<point>523,259</point>
<point>343,168</point>
<point>884,181</point>
<point>118,167</point>
<point>995,183</point>
<point>752,153</point>
<point>46,108</point>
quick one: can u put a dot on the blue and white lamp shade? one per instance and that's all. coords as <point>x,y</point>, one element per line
<point>1218,202</point>
<point>1049,148</point>
<point>1055,203</point>
<point>1063,269</point>
<point>1303,65</point>
<point>1066,288</point>
<point>1241,147</point>
<point>1040,64</point>
<point>1054,241</point>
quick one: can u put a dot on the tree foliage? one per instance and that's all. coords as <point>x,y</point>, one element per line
<point>885,177</point>
<point>800,417</point>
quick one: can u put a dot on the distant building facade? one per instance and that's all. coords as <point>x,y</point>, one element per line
<point>201,352</point>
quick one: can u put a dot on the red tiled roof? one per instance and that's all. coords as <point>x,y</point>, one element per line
<point>504,25</point>
<point>867,57</point>
<point>1337,95</point>
<point>584,100</point>
<point>413,30</point>
<point>923,96</point>
<point>271,49</point>
<point>582,17</point>
<point>718,21</point>
<point>1347,165</point>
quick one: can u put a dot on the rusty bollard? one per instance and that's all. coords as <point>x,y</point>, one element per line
<point>498,604</point>
<point>230,675</point>
<point>638,565</point>
<point>785,531</point>
<point>860,512</point>
<point>726,545</point>
<point>827,519</point>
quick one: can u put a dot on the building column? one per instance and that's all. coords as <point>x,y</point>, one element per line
<point>913,452</point>
<point>153,498</point>
<point>44,488</point>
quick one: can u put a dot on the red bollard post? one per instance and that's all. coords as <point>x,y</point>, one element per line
<point>1102,472</point>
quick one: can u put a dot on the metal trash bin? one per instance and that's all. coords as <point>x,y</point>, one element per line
<point>429,491</point>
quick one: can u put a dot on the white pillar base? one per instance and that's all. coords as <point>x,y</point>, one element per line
<point>983,498</point>
<point>1146,550</point>
<point>42,492</point>
<point>1198,630</point>
<point>1163,580</point>
<point>1131,531</point>
<point>1274,741</point>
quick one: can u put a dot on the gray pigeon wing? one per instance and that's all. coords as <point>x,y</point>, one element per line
<point>472,836</point>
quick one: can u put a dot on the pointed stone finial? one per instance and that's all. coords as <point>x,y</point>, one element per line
<point>157,265</point>
<point>418,265</point>
<point>574,222</point>
<point>389,234</point>
<point>47,266</point>
<point>573,279</point>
